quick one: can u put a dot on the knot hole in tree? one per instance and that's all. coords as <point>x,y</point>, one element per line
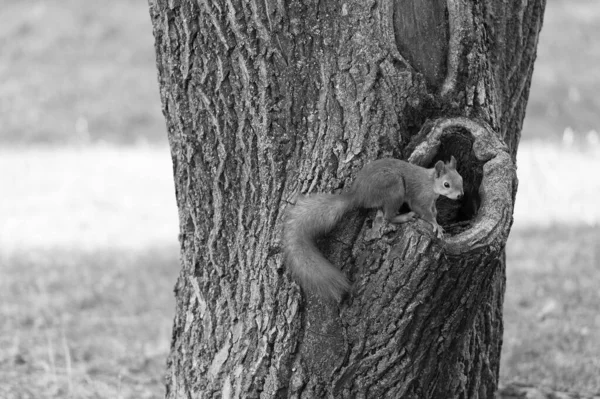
<point>457,141</point>
<point>489,176</point>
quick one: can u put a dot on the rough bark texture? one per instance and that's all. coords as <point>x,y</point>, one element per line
<point>267,98</point>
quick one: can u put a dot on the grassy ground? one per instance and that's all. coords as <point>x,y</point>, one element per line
<point>85,324</point>
<point>88,252</point>
<point>551,308</point>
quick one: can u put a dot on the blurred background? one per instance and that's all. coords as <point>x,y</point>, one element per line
<point>88,236</point>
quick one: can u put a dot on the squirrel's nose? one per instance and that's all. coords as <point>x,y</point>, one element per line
<point>459,196</point>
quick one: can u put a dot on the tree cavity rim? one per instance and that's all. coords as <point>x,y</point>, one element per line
<point>491,225</point>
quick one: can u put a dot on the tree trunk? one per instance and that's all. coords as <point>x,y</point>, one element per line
<point>264,99</point>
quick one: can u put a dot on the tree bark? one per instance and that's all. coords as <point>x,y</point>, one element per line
<point>265,99</point>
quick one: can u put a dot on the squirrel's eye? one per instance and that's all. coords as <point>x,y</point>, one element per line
<point>446,184</point>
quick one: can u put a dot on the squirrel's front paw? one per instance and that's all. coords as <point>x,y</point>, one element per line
<point>438,230</point>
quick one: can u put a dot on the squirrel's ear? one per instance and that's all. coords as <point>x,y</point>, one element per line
<point>439,168</point>
<point>453,162</point>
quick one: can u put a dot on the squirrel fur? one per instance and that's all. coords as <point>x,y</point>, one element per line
<point>385,184</point>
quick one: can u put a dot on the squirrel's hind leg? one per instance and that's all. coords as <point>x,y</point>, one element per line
<point>405,217</point>
<point>391,206</point>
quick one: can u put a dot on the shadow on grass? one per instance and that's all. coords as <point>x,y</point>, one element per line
<point>86,324</point>
<point>551,317</point>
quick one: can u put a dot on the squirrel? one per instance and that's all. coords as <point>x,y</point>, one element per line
<point>385,184</point>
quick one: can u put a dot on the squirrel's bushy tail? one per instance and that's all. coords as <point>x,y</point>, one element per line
<point>311,217</point>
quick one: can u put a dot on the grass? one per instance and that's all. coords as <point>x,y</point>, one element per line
<point>85,324</point>
<point>551,308</point>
